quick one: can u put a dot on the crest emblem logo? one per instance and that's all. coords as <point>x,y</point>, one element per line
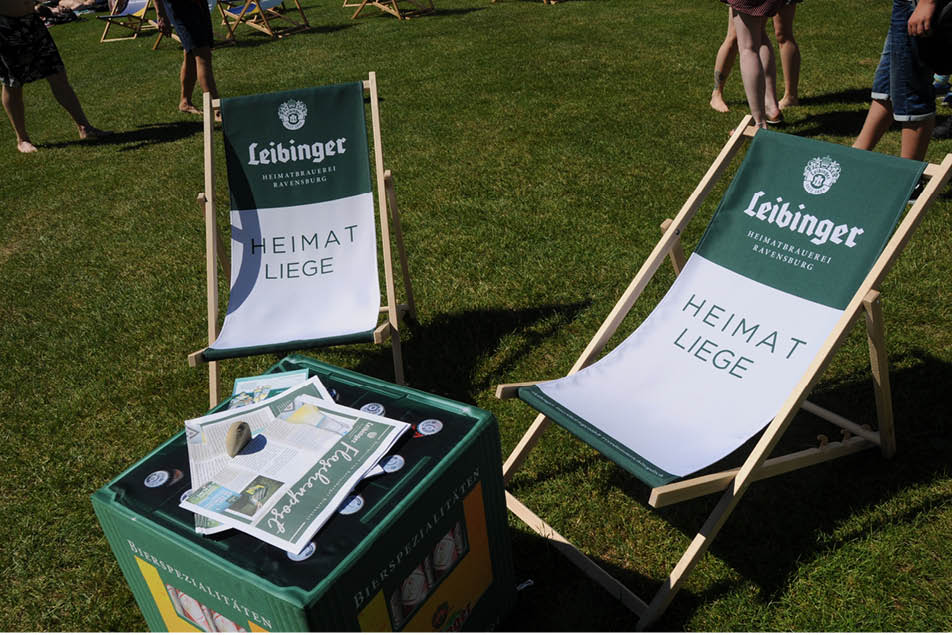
<point>292,114</point>
<point>820,174</point>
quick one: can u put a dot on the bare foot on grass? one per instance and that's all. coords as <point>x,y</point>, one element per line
<point>190,109</point>
<point>786,102</point>
<point>92,132</point>
<point>25,147</point>
<point>718,103</point>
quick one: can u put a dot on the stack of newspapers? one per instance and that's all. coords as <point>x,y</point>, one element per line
<point>304,457</point>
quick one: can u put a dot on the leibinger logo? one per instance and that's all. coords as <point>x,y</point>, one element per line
<point>802,221</point>
<point>292,114</point>
<point>820,174</point>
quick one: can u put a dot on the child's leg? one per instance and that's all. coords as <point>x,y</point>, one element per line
<point>915,138</point>
<point>878,120</point>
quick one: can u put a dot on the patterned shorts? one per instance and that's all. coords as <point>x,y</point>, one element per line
<point>27,51</point>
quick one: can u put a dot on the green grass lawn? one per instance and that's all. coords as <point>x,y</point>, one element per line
<point>535,149</point>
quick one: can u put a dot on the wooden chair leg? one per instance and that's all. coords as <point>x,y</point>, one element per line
<point>521,451</point>
<point>879,365</point>
<point>401,249</point>
<point>677,251</point>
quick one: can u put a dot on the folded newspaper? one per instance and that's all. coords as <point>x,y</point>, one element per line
<point>305,456</point>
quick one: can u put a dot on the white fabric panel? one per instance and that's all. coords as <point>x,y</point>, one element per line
<point>340,297</point>
<point>671,403</point>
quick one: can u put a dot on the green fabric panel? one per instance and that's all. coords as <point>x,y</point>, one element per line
<point>214,354</point>
<point>836,210</point>
<point>296,147</point>
<point>645,471</point>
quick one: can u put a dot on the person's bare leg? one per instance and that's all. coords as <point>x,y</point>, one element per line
<point>789,55</point>
<point>206,77</point>
<point>16,111</point>
<point>769,63</point>
<point>722,66</point>
<point>878,121</point>
<point>187,77</point>
<point>66,96</point>
<point>750,31</point>
<point>915,138</point>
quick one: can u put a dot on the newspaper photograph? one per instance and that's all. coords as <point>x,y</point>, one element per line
<point>304,457</point>
<point>248,390</point>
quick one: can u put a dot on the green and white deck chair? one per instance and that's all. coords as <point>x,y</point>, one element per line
<point>794,253</point>
<point>133,16</point>
<point>261,14</point>
<point>304,268</point>
<point>418,7</point>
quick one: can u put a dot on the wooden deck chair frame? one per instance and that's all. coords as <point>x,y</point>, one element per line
<point>387,212</point>
<point>757,466</point>
<point>253,15</point>
<point>421,7</point>
<point>137,22</point>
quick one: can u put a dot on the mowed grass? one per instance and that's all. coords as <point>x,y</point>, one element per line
<point>535,149</point>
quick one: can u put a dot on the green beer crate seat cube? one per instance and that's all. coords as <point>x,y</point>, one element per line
<point>796,250</point>
<point>424,547</point>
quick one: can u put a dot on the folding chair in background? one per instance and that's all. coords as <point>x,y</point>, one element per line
<point>132,16</point>
<point>259,14</point>
<point>304,269</point>
<point>420,7</point>
<point>795,252</point>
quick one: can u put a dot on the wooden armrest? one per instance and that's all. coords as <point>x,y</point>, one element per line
<point>508,391</point>
<point>196,358</point>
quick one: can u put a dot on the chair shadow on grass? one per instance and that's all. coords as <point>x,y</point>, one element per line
<point>441,353</point>
<point>776,526</point>
<point>142,136</point>
<point>250,38</point>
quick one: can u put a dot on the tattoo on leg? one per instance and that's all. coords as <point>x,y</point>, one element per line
<point>719,80</point>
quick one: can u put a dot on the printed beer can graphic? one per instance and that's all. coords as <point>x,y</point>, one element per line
<point>414,589</point>
<point>396,608</point>
<point>459,535</point>
<point>445,554</point>
<point>225,625</point>
<point>174,596</point>
<point>195,611</point>
<point>428,570</point>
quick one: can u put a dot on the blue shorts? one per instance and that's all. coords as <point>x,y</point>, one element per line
<point>192,22</point>
<point>901,77</point>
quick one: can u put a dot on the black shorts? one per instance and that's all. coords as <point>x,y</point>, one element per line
<point>27,51</point>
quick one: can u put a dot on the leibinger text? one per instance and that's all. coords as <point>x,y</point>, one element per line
<point>819,230</point>
<point>276,153</point>
<point>734,327</point>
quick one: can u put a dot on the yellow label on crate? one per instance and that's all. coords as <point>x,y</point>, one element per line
<point>450,602</point>
<point>182,613</point>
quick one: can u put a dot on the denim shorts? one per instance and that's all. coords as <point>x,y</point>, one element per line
<point>901,77</point>
<point>192,22</point>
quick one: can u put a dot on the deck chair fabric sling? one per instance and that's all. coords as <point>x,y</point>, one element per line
<point>132,15</point>
<point>268,16</point>
<point>303,268</point>
<point>796,249</point>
